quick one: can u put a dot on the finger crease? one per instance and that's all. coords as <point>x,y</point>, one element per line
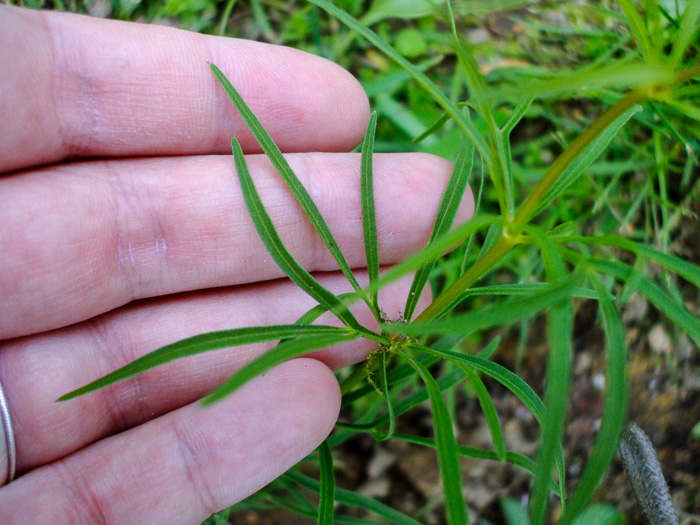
<point>192,469</point>
<point>84,505</point>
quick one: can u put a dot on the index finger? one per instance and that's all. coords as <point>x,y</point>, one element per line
<point>85,87</point>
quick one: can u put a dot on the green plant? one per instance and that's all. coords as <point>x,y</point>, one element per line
<point>568,264</point>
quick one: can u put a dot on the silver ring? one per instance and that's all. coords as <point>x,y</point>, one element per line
<point>8,452</point>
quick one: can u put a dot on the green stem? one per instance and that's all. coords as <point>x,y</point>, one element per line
<point>446,299</point>
<point>527,209</point>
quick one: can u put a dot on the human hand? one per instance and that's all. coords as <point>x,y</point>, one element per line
<point>123,228</point>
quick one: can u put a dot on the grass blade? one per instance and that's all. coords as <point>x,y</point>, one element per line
<point>273,243</point>
<point>614,408</point>
<point>637,27</point>
<point>686,32</point>
<point>434,91</point>
<point>369,219</point>
<point>446,447</point>
<point>354,499</point>
<point>200,344</point>
<point>446,214</point>
<point>281,165</point>
<point>282,352</point>
<point>326,502</point>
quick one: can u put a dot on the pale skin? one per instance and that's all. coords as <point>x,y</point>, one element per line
<point>123,228</point>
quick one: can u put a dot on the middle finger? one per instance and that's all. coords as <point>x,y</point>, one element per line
<point>81,239</point>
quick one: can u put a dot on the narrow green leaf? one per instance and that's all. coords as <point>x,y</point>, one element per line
<point>317,311</point>
<point>589,154</point>
<point>384,385</point>
<point>688,271</point>
<point>637,26</point>
<point>203,343</point>
<point>614,408</point>
<point>557,385</point>
<point>432,129</point>
<point>524,289</point>
<point>446,447</point>
<point>434,249</point>
<point>416,398</point>
<point>518,113</point>
<point>284,351</point>
<point>398,374</point>
<point>446,214</point>
<point>326,504</point>
<point>686,33</point>
<point>369,219</point>
<point>489,410</point>
<point>434,91</point>
<point>655,294</point>
<point>354,499</point>
<point>519,460</point>
<point>501,314</point>
<point>281,165</point>
<point>508,379</point>
<point>273,243</point>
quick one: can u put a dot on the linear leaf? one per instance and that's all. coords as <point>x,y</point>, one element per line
<point>317,311</point>
<point>203,343</point>
<point>489,410</point>
<point>523,289</point>
<point>560,319</point>
<point>686,32</point>
<point>589,154</point>
<point>369,219</point>
<point>354,499</point>
<point>508,379</point>
<point>559,330</point>
<point>434,91</point>
<point>396,375</point>
<point>435,249</point>
<point>290,178</point>
<point>416,398</point>
<point>688,271</point>
<point>637,26</point>
<point>519,460</point>
<point>501,314</point>
<point>446,214</point>
<point>614,408</point>
<point>655,294</point>
<point>327,490</point>
<point>284,351</point>
<point>446,447</point>
<point>384,385</point>
<point>273,243</point>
